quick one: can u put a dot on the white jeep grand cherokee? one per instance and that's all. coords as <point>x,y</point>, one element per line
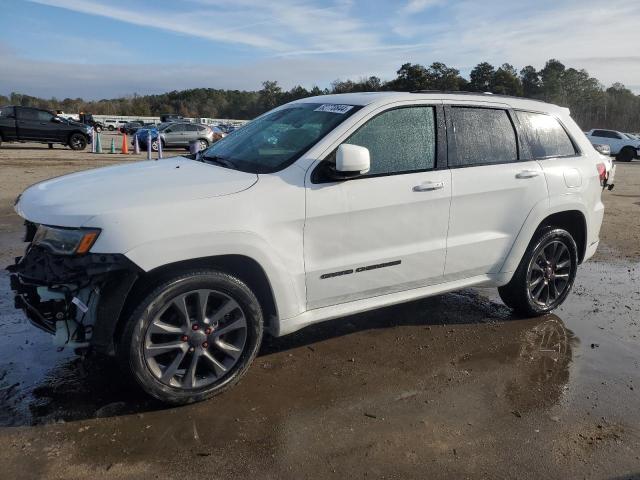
<point>321,208</point>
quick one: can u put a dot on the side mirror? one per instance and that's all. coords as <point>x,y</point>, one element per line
<point>56,119</point>
<point>352,161</point>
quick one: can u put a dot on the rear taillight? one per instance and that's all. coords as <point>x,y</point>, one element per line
<point>602,173</point>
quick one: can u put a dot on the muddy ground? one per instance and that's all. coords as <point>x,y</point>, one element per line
<point>448,387</point>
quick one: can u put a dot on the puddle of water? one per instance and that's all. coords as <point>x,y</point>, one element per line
<point>413,375</point>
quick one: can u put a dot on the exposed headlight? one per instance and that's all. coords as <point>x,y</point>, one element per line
<point>65,241</point>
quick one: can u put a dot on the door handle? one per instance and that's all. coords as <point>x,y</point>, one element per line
<point>527,174</point>
<point>428,186</point>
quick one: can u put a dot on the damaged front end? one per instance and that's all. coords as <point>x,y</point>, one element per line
<point>76,298</point>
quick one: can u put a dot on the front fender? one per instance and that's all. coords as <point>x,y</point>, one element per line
<point>286,290</point>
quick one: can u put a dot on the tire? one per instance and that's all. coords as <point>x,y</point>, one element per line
<point>98,128</point>
<point>77,141</point>
<point>203,144</point>
<point>111,128</point>
<point>0,141</point>
<point>625,155</point>
<point>154,145</point>
<point>535,281</point>
<point>158,321</point>
<point>50,146</point>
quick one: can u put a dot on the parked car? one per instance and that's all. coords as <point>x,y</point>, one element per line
<point>112,125</point>
<point>87,119</point>
<point>131,127</point>
<point>625,148</point>
<point>324,207</point>
<point>27,124</point>
<point>178,134</point>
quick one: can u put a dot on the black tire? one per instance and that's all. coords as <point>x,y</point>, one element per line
<point>0,140</point>
<point>133,345</point>
<point>50,145</point>
<point>111,128</point>
<point>98,128</point>
<point>77,141</point>
<point>626,154</point>
<point>203,144</point>
<point>154,145</point>
<point>520,292</point>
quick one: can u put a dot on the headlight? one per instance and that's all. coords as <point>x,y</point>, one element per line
<point>65,241</point>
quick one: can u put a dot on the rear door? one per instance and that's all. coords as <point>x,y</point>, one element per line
<point>385,231</point>
<point>38,125</point>
<point>7,123</point>
<point>493,189</point>
<point>192,132</point>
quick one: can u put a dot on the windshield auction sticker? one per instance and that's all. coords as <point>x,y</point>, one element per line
<point>333,108</point>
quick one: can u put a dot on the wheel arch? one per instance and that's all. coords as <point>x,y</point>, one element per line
<point>243,267</point>
<point>570,217</point>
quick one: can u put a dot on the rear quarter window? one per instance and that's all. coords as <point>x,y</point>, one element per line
<point>545,136</point>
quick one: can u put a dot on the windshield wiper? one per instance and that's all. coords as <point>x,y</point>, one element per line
<point>218,160</point>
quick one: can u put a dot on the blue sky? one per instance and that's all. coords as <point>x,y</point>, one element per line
<point>101,49</point>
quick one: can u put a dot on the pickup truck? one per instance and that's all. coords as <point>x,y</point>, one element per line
<point>623,146</point>
<point>27,124</point>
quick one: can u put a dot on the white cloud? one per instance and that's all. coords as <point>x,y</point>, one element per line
<point>302,43</point>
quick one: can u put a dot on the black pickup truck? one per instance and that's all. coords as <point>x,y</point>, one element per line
<point>27,124</point>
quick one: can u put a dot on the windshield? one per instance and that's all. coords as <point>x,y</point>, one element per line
<point>276,139</point>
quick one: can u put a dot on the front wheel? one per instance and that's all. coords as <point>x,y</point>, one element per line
<point>193,337</point>
<point>545,275</point>
<point>77,141</point>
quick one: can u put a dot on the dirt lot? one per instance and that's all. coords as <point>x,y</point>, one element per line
<point>448,387</point>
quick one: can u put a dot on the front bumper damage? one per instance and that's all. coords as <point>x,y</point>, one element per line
<point>78,299</point>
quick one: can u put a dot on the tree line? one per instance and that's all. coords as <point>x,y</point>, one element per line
<point>591,104</point>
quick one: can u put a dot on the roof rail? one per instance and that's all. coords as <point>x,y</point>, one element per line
<point>465,92</point>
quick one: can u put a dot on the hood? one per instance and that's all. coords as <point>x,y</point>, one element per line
<point>72,200</point>
<point>74,123</point>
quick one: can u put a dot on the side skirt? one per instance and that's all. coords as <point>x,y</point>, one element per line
<point>310,317</point>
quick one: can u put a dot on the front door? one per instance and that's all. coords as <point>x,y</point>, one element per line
<point>174,135</point>
<point>493,190</point>
<point>385,231</point>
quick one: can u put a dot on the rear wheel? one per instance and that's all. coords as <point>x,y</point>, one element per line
<point>625,155</point>
<point>77,141</point>
<point>203,144</point>
<point>545,275</point>
<point>111,128</point>
<point>192,337</point>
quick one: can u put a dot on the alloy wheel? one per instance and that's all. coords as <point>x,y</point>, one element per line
<point>549,274</point>
<point>195,339</point>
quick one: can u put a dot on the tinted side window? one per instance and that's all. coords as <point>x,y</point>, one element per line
<point>483,136</point>
<point>43,116</point>
<point>192,128</point>
<point>545,135</point>
<point>400,140</point>
<point>27,114</point>
<point>6,112</point>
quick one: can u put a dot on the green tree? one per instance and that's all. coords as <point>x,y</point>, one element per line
<point>481,77</point>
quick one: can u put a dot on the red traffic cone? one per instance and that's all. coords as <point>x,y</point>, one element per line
<point>125,146</point>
